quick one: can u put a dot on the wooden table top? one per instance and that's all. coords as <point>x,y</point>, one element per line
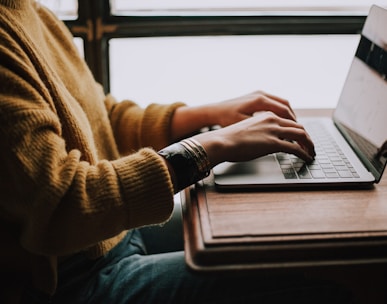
<point>276,229</point>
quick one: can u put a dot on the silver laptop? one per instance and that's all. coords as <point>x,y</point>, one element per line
<point>351,145</point>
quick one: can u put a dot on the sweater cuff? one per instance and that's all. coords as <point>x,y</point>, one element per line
<point>158,117</point>
<point>146,188</point>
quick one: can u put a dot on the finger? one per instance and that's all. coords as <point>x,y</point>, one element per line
<point>282,109</point>
<point>299,136</point>
<point>290,123</point>
<point>294,131</point>
<point>288,130</point>
<point>294,148</point>
<point>281,100</point>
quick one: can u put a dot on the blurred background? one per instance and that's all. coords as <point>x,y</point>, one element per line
<point>200,51</point>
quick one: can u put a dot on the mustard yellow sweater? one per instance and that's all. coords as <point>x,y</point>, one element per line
<point>77,169</point>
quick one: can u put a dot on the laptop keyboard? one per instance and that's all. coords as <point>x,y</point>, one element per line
<point>330,161</point>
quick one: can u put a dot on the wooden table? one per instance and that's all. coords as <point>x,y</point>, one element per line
<point>282,230</point>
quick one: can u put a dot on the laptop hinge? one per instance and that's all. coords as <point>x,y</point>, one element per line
<point>382,151</point>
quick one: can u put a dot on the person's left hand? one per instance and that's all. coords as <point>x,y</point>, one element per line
<point>233,110</point>
<point>190,119</point>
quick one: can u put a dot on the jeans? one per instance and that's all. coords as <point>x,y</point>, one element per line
<point>129,274</point>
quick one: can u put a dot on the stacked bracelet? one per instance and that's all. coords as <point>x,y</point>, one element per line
<point>199,154</point>
<point>189,161</point>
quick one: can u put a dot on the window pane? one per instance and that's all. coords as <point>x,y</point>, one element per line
<point>307,70</point>
<point>232,7</point>
<point>65,9</point>
<point>80,45</point>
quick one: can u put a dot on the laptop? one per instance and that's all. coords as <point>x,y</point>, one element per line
<point>351,145</point>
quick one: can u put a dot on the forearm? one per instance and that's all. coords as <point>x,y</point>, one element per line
<point>189,120</point>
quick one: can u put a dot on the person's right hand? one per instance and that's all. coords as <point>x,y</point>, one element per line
<point>262,134</point>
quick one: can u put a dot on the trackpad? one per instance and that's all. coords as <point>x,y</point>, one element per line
<point>265,168</point>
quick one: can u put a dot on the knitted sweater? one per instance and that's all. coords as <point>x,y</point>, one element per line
<point>78,168</point>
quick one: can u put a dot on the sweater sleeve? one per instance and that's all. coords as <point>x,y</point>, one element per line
<point>61,200</point>
<point>134,127</point>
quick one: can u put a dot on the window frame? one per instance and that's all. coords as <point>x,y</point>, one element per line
<point>96,25</point>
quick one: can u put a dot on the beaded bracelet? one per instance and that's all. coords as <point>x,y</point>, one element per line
<point>189,161</point>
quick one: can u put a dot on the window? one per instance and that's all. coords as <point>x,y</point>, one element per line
<point>241,7</point>
<point>307,69</point>
<point>199,51</point>
<point>65,9</point>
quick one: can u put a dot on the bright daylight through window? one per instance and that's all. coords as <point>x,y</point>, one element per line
<point>150,65</point>
<point>307,69</point>
<point>242,7</point>
<point>65,9</point>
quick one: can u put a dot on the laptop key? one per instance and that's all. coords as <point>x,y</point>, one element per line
<point>314,166</point>
<point>289,173</point>
<point>345,173</point>
<point>329,170</point>
<point>317,173</point>
<point>332,174</point>
<point>303,173</point>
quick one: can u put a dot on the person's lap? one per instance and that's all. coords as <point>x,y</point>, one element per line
<point>129,274</point>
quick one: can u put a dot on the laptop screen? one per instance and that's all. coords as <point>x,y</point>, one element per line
<point>361,112</point>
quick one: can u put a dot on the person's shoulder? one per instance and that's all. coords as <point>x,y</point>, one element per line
<point>44,11</point>
<point>52,21</point>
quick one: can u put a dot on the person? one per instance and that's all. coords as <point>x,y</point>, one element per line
<point>82,173</point>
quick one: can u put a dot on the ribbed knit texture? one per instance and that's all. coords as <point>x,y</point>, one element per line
<point>78,168</point>
<point>15,4</point>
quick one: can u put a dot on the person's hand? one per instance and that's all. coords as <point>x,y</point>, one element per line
<point>234,110</point>
<point>187,120</point>
<point>257,136</point>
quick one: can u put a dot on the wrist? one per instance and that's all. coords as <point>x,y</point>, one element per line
<point>190,120</point>
<point>214,145</point>
<point>187,162</point>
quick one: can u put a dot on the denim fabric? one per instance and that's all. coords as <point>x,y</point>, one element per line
<point>133,272</point>
<point>128,275</point>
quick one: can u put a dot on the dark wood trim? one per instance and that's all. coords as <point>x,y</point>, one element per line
<point>249,25</point>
